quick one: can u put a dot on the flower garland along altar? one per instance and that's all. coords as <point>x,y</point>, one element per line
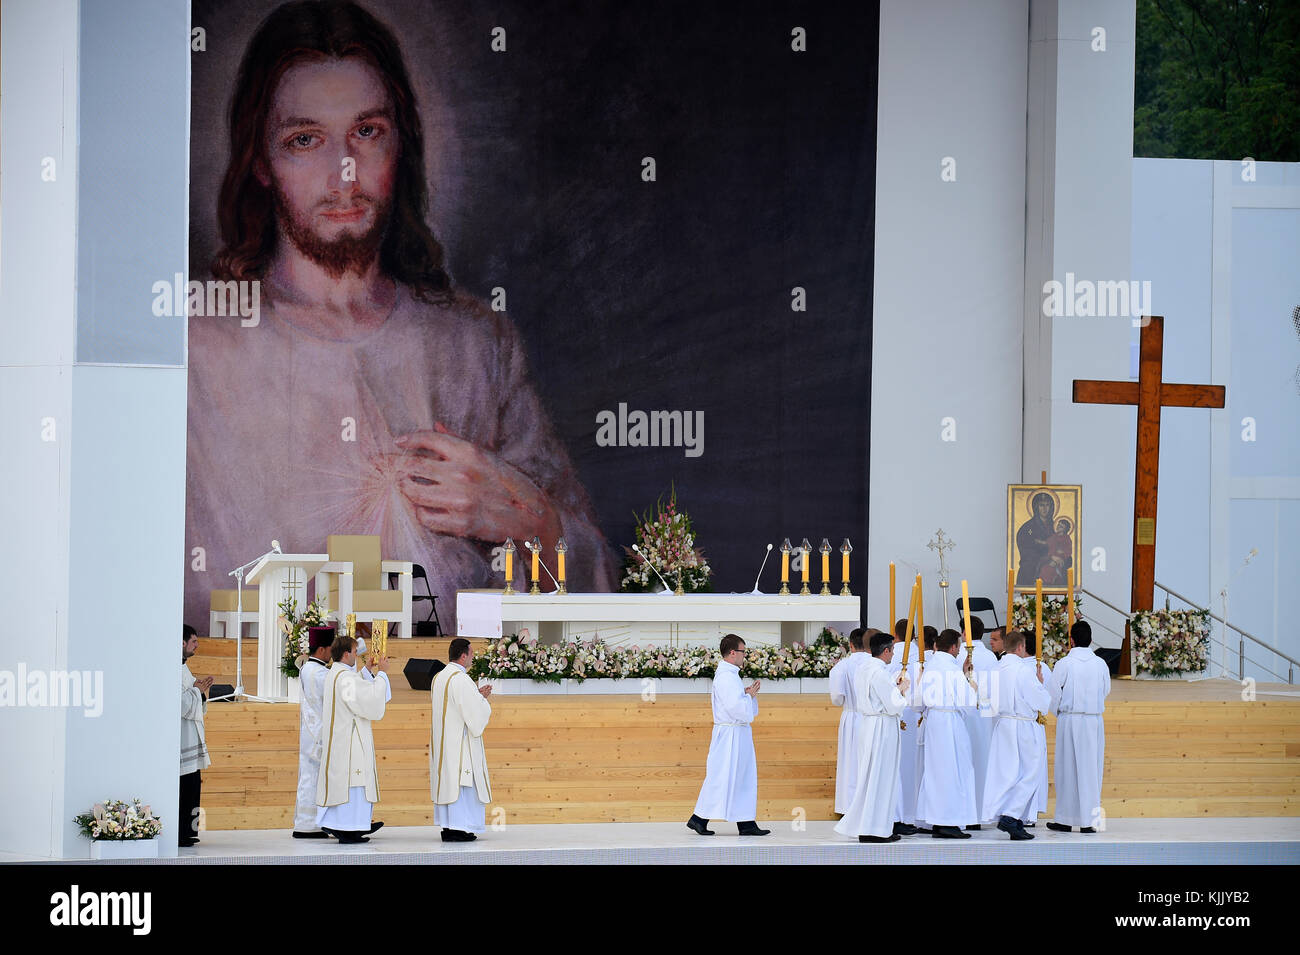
<point>523,658</point>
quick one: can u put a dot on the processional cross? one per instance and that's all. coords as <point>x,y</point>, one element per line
<point>940,543</point>
<point>1150,392</point>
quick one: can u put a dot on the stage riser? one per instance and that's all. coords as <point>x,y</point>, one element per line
<point>607,759</point>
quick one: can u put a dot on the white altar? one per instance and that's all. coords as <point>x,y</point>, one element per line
<point>650,619</point>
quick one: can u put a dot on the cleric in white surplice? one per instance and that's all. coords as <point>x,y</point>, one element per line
<point>458,773</point>
<point>879,699</point>
<point>843,694</point>
<point>349,778</point>
<point>979,723</point>
<point>946,798</point>
<point>1015,761</point>
<point>730,789</point>
<point>1084,682</point>
<point>311,679</point>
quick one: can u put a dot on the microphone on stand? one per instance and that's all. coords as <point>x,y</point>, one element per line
<point>760,570</point>
<point>637,548</point>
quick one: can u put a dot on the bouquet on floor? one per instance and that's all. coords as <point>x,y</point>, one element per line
<point>1166,642</point>
<point>1057,641</point>
<point>668,540</point>
<point>295,626</point>
<point>116,819</point>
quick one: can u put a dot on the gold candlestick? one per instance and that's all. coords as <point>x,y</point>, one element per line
<point>535,545</point>
<point>785,568</point>
<point>845,549</point>
<point>510,566</point>
<point>825,550</point>
<point>806,548</point>
<point>561,548</point>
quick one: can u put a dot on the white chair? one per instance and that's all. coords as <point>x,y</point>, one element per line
<point>223,612</point>
<point>356,581</point>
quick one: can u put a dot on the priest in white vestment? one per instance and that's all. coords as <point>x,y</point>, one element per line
<point>730,789</point>
<point>458,773</point>
<point>879,699</point>
<point>945,801</point>
<point>1040,730</point>
<point>905,807</point>
<point>1015,762</point>
<point>311,680</point>
<point>842,695</point>
<point>1083,680</point>
<point>349,779</point>
<point>979,722</point>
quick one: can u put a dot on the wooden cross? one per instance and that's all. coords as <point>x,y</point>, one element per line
<point>1149,393</point>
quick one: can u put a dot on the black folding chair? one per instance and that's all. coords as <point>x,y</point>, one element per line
<point>420,629</point>
<point>978,605</point>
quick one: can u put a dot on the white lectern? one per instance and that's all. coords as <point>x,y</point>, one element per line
<point>278,576</point>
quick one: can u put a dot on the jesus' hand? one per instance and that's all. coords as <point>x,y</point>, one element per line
<point>462,490</point>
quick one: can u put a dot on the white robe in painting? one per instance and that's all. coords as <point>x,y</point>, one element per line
<point>1040,734</point>
<point>946,796</point>
<point>1083,680</point>
<point>730,789</point>
<point>458,773</point>
<point>842,679</point>
<point>312,684</point>
<point>908,735</point>
<point>349,779</point>
<point>1015,763</point>
<point>879,704</point>
<point>979,723</point>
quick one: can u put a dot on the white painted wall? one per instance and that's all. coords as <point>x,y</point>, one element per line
<point>948,294</point>
<point>94,521</point>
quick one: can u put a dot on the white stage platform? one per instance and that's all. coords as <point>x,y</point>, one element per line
<point>1244,841</point>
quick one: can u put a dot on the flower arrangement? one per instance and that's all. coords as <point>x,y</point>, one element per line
<point>295,625</point>
<point>115,819</point>
<point>668,540</point>
<point>516,657</point>
<point>1166,642</point>
<point>1056,643</point>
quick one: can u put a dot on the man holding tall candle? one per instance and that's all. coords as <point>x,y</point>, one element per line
<point>946,800</point>
<point>843,694</point>
<point>905,808</point>
<point>979,722</point>
<point>1084,681</point>
<point>1033,659</point>
<point>1011,782</point>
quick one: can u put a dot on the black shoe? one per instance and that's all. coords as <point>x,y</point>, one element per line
<point>974,828</point>
<point>696,824</point>
<point>949,832</point>
<point>751,829</point>
<point>1088,829</point>
<point>456,835</point>
<point>375,827</point>
<point>923,830</point>
<point>1023,824</point>
<point>351,838</point>
<point>904,829</point>
<point>186,843</point>
<point>1057,827</point>
<point>891,838</point>
<point>318,834</point>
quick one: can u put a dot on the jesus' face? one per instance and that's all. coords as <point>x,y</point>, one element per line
<point>332,147</point>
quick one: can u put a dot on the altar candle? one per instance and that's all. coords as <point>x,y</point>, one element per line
<point>844,565</point>
<point>965,606</point>
<point>1069,599</point>
<point>785,566</point>
<point>806,548</point>
<point>892,618</point>
<point>1038,619</point>
<point>826,566</point>
<point>560,558</point>
<point>1011,602</point>
<point>537,557</point>
<point>510,567</point>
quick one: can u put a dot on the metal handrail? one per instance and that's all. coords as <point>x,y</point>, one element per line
<point>1241,645</point>
<point>1124,613</point>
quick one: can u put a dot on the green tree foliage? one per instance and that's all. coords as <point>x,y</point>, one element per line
<point>1218,79</point>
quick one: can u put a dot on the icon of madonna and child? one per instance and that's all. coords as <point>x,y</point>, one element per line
<point>1046,545</point>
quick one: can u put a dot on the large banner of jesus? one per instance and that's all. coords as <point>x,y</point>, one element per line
<point>474,272</point>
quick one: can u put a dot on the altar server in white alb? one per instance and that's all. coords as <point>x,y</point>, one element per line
<point>458,773</point>
<point>730,789</point>
<point>879,699</point>
<point>311,679</point>
<point>946,799</point>
<point>1084,682</point>
<point>1040,730</point>
<point>843,694</point>
<point>349,778</point>
<point>905,804</point>
<point>979,722</point>
<point>1015,762</point>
